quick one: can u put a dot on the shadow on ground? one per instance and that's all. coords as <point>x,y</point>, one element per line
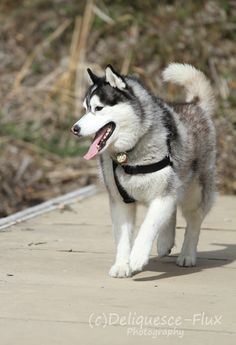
<point>166,267</point>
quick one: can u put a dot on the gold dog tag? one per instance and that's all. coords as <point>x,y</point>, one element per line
<point>121,157</point>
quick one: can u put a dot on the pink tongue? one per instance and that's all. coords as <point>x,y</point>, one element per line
<point>93,150</point>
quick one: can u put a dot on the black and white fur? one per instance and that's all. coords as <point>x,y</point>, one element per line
<point>148,129</point>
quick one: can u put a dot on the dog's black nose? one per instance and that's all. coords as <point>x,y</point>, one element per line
<point>75,129</point>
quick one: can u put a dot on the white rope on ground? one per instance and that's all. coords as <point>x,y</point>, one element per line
<point>47,206</point>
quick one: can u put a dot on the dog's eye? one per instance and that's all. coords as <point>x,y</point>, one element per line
<point>98,108</point>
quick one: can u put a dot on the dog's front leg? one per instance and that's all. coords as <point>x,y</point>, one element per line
<point>123,218</point>
<point>159,212</point>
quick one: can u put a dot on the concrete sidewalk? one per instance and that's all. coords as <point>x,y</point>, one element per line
<point>55,288</point>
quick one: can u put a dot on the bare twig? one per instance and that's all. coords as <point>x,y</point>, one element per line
<point>103,15</point>
<point>86,25</point>
<point>128,56</point>
<point>28,62</point>
<point>23,166</point>
<point>69,76</point>
<point>49,78</point>
<point>76,66</point>
<point>219,81</point>
<point>74,45</point>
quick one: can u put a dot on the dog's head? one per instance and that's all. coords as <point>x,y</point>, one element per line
<point>110,115</point>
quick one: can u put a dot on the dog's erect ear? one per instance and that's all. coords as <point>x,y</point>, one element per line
<point>92,76</point>
<point>114,79</point>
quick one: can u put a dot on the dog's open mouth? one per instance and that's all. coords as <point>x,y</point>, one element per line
<point>100,140</point>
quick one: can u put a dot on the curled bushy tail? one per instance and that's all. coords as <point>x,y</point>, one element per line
<point>195,82</point>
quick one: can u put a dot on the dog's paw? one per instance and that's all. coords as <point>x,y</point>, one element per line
<point>186,260</point>
<point>120,270</point>
<point>137,261</point>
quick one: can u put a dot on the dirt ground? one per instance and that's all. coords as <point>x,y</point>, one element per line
<point>45,48</point>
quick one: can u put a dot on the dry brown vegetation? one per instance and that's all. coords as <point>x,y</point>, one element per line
<point>45,48</point>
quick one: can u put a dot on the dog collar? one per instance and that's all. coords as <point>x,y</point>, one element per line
<point>135,170</point>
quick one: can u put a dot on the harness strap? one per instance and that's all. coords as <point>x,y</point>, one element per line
<point>146,169</point>
<point>125,196</point>
<point>138,169</point>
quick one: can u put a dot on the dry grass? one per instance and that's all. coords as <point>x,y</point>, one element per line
<point>43,78</point>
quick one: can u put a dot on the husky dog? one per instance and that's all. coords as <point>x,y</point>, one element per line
<point>152,152</point>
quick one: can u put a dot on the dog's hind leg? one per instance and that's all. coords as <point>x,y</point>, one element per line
<point>193,212</point>
<point>198,202</point>
<point>123,219</point>
<point>188,253</point>
<point>166,237</point>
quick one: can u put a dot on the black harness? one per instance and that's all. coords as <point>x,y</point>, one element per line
<point>135,170</point>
